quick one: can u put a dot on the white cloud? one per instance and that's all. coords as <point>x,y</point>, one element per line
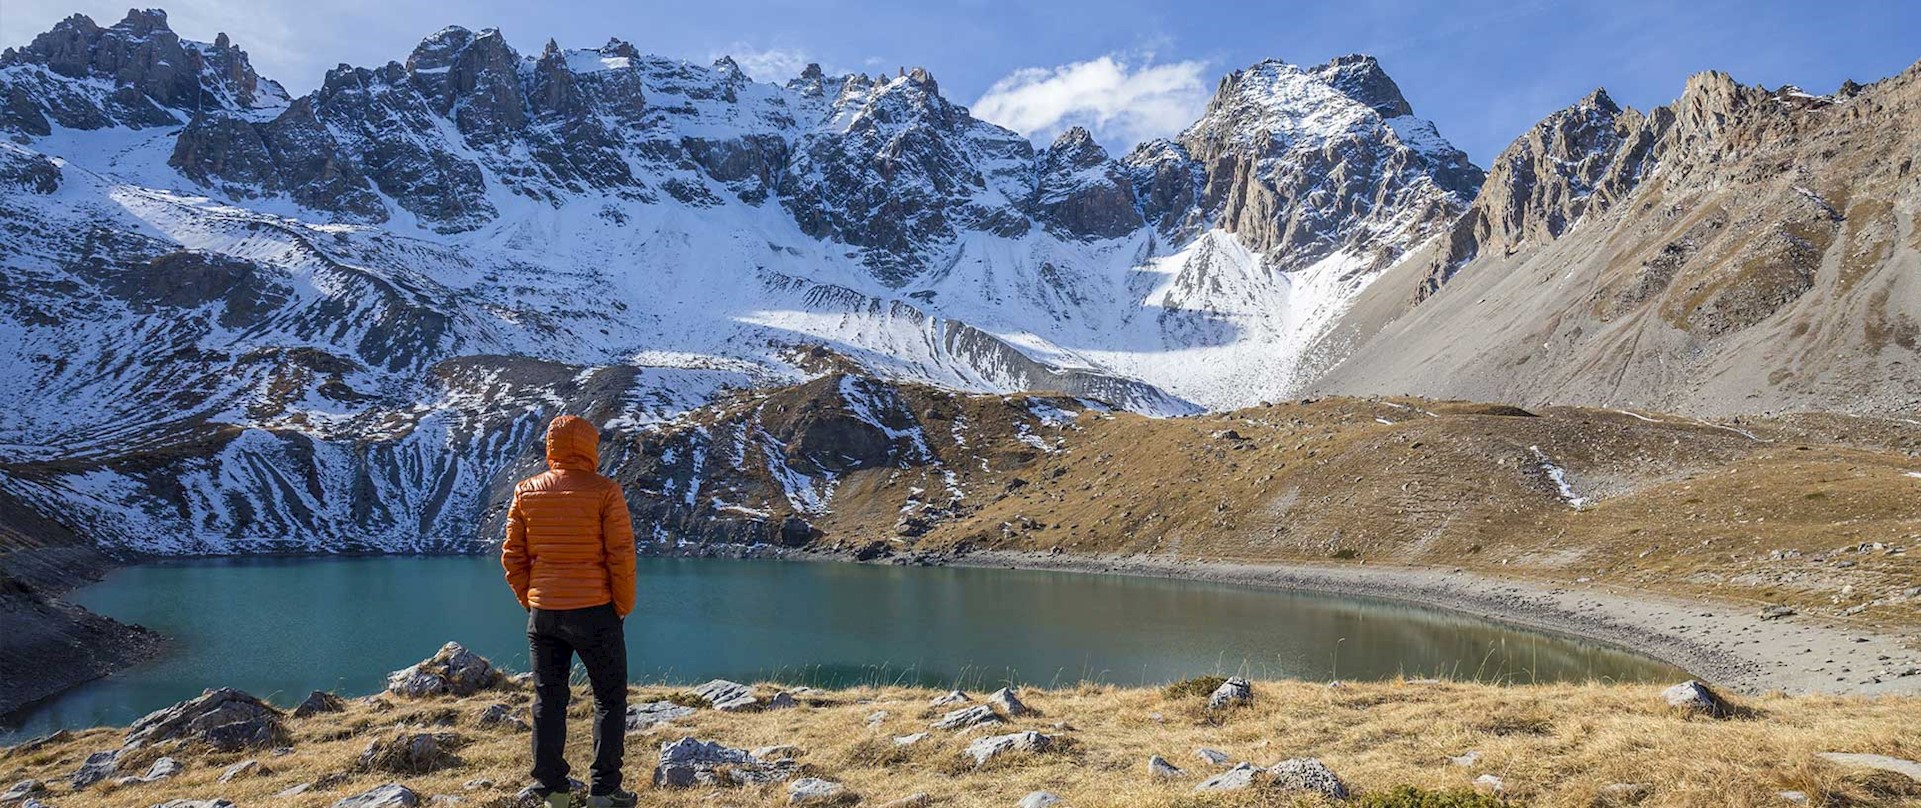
<point>775,65</point>
<point>1121,103</point>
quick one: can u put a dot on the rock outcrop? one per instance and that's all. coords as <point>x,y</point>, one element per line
<point>224,718</point>
<point>452,671</point>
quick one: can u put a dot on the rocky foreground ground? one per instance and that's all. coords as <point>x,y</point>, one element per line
<point>452,731</point>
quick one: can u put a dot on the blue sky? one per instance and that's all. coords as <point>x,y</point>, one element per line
<point>1483,70</point>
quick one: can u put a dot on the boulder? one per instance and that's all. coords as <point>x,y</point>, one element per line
<point>986,749</point>
<point>319,702</point>
<point>160,770</point>
<point>647,714</point>
<point>499,715</point>
<point>1235,779</point>
<point>688,762</point>
<point>98,766</point>
<point>410,753</point>
<point>1008,701</point>
<point>728,697</point>
<point>1234,692</point>
<point>245,768</point>
<point>1158,766</point>
<point>451,671</point>
<point>964,717</point>
<point>1037,799</point>
<point>815,791</point>
<point>225,718</point>
<point>1307,774</point>
<point>391,795</point>
<point>22,790</point>
<point>1695,697</point>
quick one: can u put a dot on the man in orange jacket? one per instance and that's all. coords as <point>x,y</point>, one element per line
<point>569,557</point>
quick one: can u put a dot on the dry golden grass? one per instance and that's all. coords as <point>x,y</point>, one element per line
<point>1553,745</point>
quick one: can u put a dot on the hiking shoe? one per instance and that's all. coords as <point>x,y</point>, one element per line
<point>618,799</point>
<point>537,797</point>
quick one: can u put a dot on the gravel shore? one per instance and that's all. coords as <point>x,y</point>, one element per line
<point>1729,645</point>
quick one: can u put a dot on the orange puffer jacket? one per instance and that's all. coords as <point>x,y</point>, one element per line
<point>570,543</point>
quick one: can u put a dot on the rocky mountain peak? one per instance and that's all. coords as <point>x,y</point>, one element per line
<point>1361,78</point>
<point>1075,148</point>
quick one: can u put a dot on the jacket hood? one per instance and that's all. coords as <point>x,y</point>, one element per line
<point>572,443</point>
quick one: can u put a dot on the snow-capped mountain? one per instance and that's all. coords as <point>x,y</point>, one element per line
<point>236,320</point>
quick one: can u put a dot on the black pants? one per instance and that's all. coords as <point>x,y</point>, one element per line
<point>595,633</point>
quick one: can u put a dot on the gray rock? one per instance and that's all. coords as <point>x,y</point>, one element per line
<point>1214,757</point>
<point>1008,701</point>
<point>500,714</point>
<point>226,719</point>
<point>213,803</point>
<point>986,749</point>
<point>919,799</point>
<point>777,752</point>
<point>295,790</point>
<point>876,717</point>
<point>815,791</point>
<point>391,795</point>
<point>729,697</point>
<point>1234,692</point>
<point>451,671</point>
<point>1240,777</point>
<point>1307,774</point>
<point>245,768</point>
<point>1468,758</point>
<point>688,762</point>
<point>319,702</point>
<point>1796,797</point>
<point>909,740</point>
<point>478,784</point>
<point>950,697</point>
<point>781,701</point>
<point>445,799</point>
<point>410,753</point>
<point>964,717</point>
<point>1776,611</point>
<point>1038,799</point>
<point>1490,784</point>
<point>1695,697</point>
<point>98,766</point>
<point>22,790</point>
<point>1158,766</point>
<point>647,714</point>
<point>1907,768</point>
<point>160,770</point>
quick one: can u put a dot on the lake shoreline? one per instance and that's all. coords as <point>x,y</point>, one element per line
<point>1722,643</point>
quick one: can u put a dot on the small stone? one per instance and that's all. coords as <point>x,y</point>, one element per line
<point>1214,757</point>
<point>876,717</point>
<point>1489,784</point>
<point>478,784</point>
<point>445,799</point>
<point>294,791</point>
<point>1009,702</point>
<point>951,697</point>
<point>781,701</point>
<point>498,715</point>
<point>967,717</point>
<point>245,768</point>
<point>1796,797</point>
<point>1038,799</point>
<point>1776,611</point>
<point>909,740</point>
<point>391,795</point>
<point>1907,768</point>
<point>986,749</point>
<point>918,799</point>
<point>1695,697</point>
<point>1234,692</point>
<point>1468,758</point>
<point>777,752</point>
<point>1158,766</point>
<point>815,791</point>
<point>213,803</point>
